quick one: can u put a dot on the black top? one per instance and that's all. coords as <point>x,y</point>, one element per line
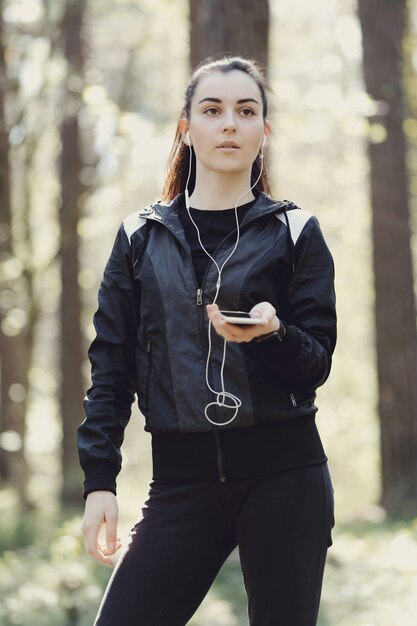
<point>214,226</point>
<point>236,453</point>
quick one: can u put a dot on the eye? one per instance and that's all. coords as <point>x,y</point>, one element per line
<point>247,112</point>
<point>211,111</point>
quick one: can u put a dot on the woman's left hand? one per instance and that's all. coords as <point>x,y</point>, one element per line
<point>241,334</point>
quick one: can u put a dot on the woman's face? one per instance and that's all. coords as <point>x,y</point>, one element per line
<point>226,122</point>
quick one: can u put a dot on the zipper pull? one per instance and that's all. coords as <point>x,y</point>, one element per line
<point>199,297</point>
<point>148,345</point>
<point>293,400</point>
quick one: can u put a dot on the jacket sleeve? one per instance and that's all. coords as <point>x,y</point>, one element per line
<point>302,360</point>
<point>112,355</point>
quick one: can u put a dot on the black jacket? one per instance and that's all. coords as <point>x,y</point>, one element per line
<point>152,327</point>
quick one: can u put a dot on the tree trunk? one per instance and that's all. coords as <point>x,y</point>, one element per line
<point>71,335</point>
<point>5,248</point>
<point>238,27</point>
<point>383,24</point>
<point>14,352</point>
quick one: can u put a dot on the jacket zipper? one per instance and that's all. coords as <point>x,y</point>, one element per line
<point>219,456</point>
<point>199,299</point>
<point>293,400</point>
<point>199,303</point>
<point>222,476</point>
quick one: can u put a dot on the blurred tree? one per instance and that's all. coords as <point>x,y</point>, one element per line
<point>5,242</point>
<point>236,27</point>
<point>71,334</point>
<point>14,347</point>
<point>383,24</point>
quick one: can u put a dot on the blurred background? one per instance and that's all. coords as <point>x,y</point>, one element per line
<point>90,93</point>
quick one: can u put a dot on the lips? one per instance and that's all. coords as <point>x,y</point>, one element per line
<point>228,144</point>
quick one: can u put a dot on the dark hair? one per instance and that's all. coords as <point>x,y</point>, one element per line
<point>178,161</point>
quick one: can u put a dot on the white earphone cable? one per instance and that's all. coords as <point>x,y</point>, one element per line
<point>223,395</point>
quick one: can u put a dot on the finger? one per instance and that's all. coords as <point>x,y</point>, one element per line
<point>259,311</point>
<point>111,532</point>
<point>218,323</point>
<point>265,310</point>
<point>213,313</point>
<point>230,330</point>
<point>247,337</point>
<point>90,533</point>
<point>100,556</point>
<point>237,336</point>
<point>105,550</point>
<point>260,315</point>
<point>93,548</point>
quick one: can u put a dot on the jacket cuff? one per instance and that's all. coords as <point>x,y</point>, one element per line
<point>99,477</point>
<point>277,334</point>
<point>288,347</point>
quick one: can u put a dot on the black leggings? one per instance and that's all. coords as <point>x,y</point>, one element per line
<point>281,524</point>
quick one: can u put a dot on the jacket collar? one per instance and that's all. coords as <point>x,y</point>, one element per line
<point>167,213</point>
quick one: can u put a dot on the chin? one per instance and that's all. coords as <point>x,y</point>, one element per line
<point>232,167</point>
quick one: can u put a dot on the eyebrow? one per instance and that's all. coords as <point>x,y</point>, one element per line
<point>219,101</point>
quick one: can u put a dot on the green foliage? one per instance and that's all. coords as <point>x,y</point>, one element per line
<point>372,575</point>
<point>16,532</point>
<point>51,583</point>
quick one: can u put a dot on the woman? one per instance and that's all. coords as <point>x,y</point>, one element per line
<point>237,458</point>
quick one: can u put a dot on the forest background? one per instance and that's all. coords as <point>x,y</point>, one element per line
<point>90,95</point>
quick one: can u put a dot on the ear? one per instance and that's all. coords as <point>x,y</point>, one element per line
<point>183,126</point>
<point>267,132</point>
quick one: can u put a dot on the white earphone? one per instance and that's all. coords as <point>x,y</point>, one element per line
<point>223,398</point>
<point>263,144</point>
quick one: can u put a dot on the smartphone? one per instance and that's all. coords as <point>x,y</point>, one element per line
<point>240,318</point>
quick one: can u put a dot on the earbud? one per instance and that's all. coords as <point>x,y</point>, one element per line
<point>188,138</point>
<point>263,144</point>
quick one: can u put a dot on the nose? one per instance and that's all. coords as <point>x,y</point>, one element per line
<point>229,122</point>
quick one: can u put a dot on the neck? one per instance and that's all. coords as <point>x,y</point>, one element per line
<point>213,191</point>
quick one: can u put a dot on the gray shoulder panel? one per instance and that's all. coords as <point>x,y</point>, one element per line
<point>297,219</point>
<point>132,223</point>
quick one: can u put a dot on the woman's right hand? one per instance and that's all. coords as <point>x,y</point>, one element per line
<point>101,508</point>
